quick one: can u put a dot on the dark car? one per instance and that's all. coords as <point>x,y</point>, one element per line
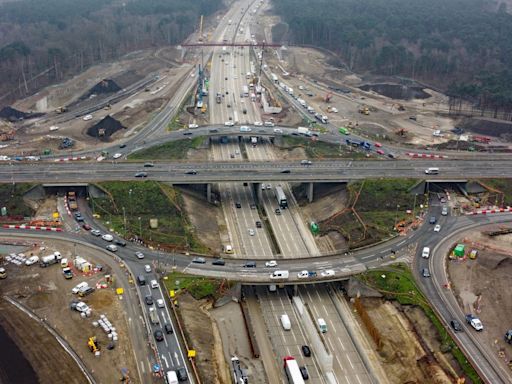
<point>168,328</point>
<point>306,351</point>
<point>199,260</point>
<point>218,262</point>
<point>285,171</point>
<point>238,205</point>
<point>122,146</point>
<point>159,335</point>
<point>148,165</point>
<point>187,133</point>
<point>258,224</point>
<point>304,373</point>
<point>432,220</point>
<point>181,373</point>
<point>250,264</point>
<point>149,300</point>
<point>79,218</point>
<point>253,206</point>
<point>278,211</point>
<point>191,172</point>
<point>141,174</point>
<point>425,272</point>
<point>86,226</point>
<point>214,130</point>
<point>120,242</point>
<point>456,326</point>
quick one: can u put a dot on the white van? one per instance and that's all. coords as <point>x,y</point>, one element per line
<point>280,275</point>
<point>322,325</point>
<point>432,171</point>
<point>153,284</point>
<point>425,253</point>
<point>285,322</point>
<point>172,378</point>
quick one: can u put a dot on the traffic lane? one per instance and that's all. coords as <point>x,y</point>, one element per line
<point>286,342</point>
<point>349,365</point>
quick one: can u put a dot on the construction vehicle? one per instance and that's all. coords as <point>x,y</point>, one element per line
<point>72,201</point>
<point>68,274</point>
<point>364,110</point>
<point>93,344</point>
<point>328,97</point>
<point>61,110</point>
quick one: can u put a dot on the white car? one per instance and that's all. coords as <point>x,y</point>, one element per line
<point>107,237</point>
<point>32,260</point>
<point>193,126</point>
<point>271,263</point>
<point>251,232</point>
<point>87,117</point>
<point>258,123</point>
<point>229,124</point>
<point>117,155</point>
<point>147,268</point>
<point>327,273</point>
<point>268,124</point>
<point>153,284</point>
<point>303,275</point>
<point>437,228</point>
<point>95,232</point>
<point>160,303</point>
<point>111,248</point>
<point>139,255</point>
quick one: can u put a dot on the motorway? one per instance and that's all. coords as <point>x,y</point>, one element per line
<point>255,171</point>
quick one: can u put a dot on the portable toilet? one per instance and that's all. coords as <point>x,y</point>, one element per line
<point>314,228</point>
<point>459,250</point>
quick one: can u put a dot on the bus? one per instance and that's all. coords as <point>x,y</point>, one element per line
<point>281,197</point>
<point>292,371</point>
<point>245,91</point>
<point>344,131</point>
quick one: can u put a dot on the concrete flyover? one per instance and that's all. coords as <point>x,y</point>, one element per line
<point>255,171</point>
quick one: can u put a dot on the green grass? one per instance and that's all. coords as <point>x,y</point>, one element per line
<point>377,207</point>
<point>147,200</point>
<point>173,150</point>
<point>399,285</point>
<point>320,149</point>
<point>11,197</point>
<point>199,287</point>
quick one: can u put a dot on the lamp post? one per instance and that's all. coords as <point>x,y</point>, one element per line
<point>130,201</point>
<point>124,218</point>
<point>396,216</point>
<point>140,228</point>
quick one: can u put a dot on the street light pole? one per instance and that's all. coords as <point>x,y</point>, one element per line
<point>140,228</point>
<point>124,218</point>
<point>396,216</point>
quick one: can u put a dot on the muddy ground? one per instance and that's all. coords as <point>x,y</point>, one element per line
<point>48,294</point>
<point>482,286</point>
<point>204,338</point>
<point>400,328</point>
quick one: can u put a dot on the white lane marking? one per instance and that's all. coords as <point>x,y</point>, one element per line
<point>142,367</point>
<point>165,360</point>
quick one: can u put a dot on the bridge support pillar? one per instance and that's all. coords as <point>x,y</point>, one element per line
<point>309,192</point>
<point>295,290</point>
<point>209,192</point>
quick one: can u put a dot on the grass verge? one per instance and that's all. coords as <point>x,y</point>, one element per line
<point>399,285</point>
<point>319,149</point>
<point>173,150</point>
<point>129,207</point>
<point>503,185</point>
<point>199,287</point>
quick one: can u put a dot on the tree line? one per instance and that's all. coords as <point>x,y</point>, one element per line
<point>461,46</point>
<point>42,42</point>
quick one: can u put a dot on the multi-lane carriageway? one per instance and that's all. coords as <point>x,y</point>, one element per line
<point>256,171</point>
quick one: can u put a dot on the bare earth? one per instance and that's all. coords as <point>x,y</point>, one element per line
<point>482,286</point>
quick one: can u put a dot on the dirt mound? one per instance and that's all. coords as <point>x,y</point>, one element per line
<point>490,127</point>
<point>105,86</point>
<point>397,91</point>
<point>11,114</point>
<point>105,128</point>
<point>493,260</point>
